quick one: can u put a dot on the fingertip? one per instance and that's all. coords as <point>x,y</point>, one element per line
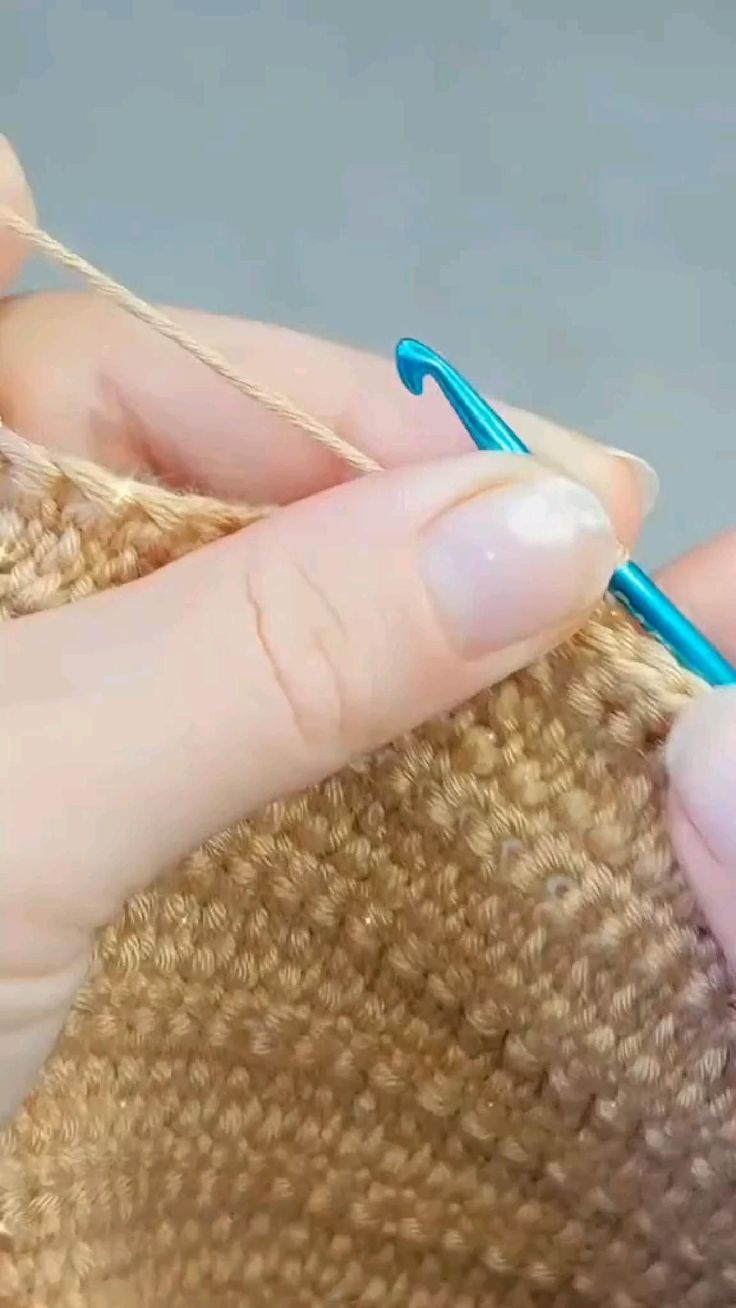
<point>15,195</point>
<point>701,761</point>
<point>623,483</point>
<point>703,584</point>
<point>626,496</point>
<point>713,883</point>
<point>645,480</point>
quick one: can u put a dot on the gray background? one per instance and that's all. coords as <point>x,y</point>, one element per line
<point>544,189</point>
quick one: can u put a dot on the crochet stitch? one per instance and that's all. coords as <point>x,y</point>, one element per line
<point>444,1032</point>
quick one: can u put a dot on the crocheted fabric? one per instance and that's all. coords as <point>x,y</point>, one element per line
<point>444,1032</point>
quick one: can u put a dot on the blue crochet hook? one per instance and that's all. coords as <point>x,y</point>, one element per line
<point>629,584</point>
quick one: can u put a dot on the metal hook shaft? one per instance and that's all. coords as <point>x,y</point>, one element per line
<point>629,583</point>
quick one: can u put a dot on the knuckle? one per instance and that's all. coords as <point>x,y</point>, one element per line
<point>312,663</point>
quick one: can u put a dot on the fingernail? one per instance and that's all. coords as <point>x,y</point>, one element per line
<point>646,478</point>
<point>513,561</point>
<point>701,760</point>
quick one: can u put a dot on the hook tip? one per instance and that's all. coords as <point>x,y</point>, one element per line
<point>412,359</point>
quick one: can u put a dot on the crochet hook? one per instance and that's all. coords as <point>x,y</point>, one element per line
<point>629,584</point>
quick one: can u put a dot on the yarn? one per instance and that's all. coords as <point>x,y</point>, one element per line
<point>165,326</point>
<point>446,1031</point>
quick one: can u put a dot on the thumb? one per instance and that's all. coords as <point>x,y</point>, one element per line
<point>145,719</point>
<point>701,759</point>
<point>140,721</point>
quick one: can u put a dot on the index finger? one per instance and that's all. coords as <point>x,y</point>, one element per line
<point>80,375</point>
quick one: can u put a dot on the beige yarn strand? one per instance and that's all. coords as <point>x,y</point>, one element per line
<point>167,327</point>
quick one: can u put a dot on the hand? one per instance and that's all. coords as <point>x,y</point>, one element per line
<point>362,608</point>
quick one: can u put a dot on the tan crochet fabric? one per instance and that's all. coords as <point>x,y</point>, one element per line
<point>442,1033</point>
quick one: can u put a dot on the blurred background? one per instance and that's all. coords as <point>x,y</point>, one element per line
<point>545,190</point>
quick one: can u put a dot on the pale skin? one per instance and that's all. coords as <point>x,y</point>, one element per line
<point>360,609</point>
